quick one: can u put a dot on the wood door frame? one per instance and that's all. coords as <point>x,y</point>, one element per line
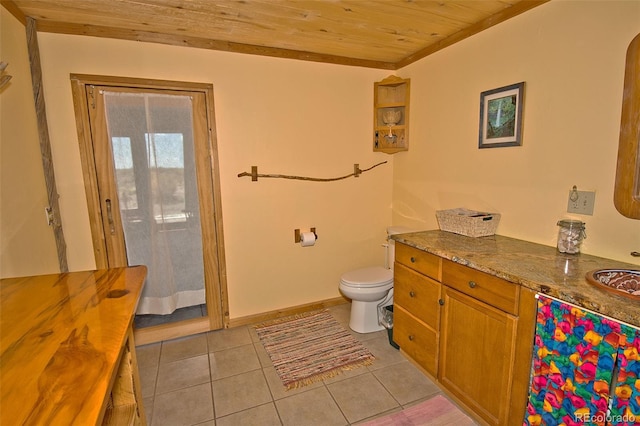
<point>216,289</point>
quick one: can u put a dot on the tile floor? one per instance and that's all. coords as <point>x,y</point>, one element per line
<point>225,377</point>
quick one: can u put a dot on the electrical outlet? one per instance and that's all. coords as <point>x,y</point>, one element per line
<point>581,202</point>
<point>49,212</point>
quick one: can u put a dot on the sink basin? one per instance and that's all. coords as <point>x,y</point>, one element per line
<point>623,282</point>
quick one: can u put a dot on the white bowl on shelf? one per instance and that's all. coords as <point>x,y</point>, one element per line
<point>391,117</point>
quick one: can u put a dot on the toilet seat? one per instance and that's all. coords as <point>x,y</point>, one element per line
<point>371,277</point>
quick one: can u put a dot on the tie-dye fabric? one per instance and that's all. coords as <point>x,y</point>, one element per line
<point>577,356</point>
<point>625,406</point>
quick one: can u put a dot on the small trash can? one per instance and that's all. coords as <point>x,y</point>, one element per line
<point>387,322</point>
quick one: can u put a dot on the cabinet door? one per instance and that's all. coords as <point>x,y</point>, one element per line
<point>477,347</point>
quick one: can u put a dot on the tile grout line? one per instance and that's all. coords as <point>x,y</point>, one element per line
<point>213,403</point>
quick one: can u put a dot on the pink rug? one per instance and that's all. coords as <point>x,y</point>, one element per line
<point>435,411</point>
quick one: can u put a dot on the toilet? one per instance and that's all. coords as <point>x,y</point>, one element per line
<point>371,288</point>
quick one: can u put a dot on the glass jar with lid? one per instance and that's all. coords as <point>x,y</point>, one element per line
<point>570,235</point>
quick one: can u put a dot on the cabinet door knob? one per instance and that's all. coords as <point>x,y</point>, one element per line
<point>441,302</point>
<point>472,284</point>
<point>412,293</point>
<point>411,337</point>
<point>413,259</point>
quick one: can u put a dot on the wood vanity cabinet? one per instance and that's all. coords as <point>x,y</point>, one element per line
<point>470,330</point>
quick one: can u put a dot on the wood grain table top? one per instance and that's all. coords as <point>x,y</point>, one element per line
<point>61,338</point>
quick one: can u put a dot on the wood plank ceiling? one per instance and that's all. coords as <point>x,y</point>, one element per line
<point>385,34</point>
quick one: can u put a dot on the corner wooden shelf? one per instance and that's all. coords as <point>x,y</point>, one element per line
<point>391,115</point>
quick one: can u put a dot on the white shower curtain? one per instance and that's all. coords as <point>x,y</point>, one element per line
<point>152,147</point>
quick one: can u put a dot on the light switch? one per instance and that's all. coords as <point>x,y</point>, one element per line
<point>581,202</point>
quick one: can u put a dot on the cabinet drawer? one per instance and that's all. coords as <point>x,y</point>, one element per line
<point>492,290</point>
<point>417,294</point>
<point>418,260</point>
<point>415,339</point>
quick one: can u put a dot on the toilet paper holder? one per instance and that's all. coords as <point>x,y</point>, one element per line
<point>296,234</point>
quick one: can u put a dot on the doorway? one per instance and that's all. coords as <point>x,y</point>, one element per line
<point>151,178</point>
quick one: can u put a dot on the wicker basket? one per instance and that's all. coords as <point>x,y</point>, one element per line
<point>468,222</point>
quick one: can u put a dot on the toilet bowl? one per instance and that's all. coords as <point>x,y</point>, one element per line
<point>370,288</point>
<point>366,288</point>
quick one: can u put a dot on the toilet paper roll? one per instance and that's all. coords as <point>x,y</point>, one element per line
<point>307,239</point>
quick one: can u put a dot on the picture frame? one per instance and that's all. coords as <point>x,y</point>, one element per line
<point>501,116</point>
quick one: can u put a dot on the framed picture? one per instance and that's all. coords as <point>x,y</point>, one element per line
<point>501,116</point>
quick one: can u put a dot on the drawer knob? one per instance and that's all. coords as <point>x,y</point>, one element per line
<point>411,337</point>
<point>472,284</point>
<point>412,293</point>
<point>413,259</point>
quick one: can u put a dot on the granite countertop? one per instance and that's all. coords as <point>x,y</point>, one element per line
<point>535,266</point>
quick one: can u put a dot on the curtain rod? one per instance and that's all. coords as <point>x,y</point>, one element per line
<point>356,172</point>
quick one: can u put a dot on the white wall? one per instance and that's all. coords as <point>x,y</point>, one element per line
<point>27,245</point>
<point>571,54</point>
<point>314,119</point>
<point>284,116</point>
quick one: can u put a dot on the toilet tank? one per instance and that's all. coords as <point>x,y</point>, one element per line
<point>391,244</point>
